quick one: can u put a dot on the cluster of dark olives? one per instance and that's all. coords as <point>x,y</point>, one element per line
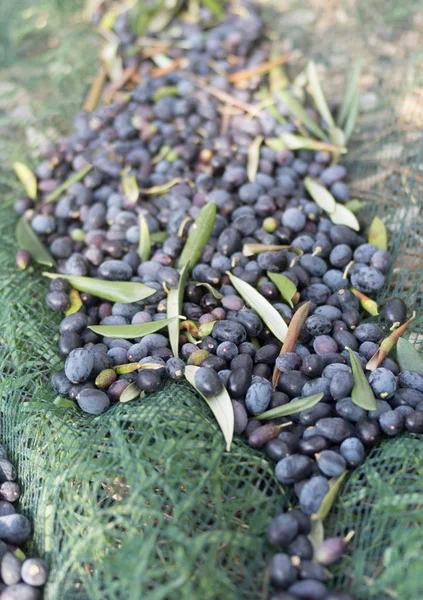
<point>20,578</point>
<point>173,129</point>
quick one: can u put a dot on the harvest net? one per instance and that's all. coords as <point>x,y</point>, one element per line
<point>142,501</point>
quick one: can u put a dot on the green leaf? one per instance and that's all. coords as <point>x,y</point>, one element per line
<point>299,142</point>
<point>157,190</point>
<point>198,236</point>
<point>144,244</point>
<point>276,144</point>
<point>408,358</point>
<point>367,303</point>
<point>335,485</point>
<point>378,234</point>
<point>263,308</point>
<point>220,404</point>
<point>159,236</point>
<point>295,406</point>
<point>320,195</point>
<point>164,91</point>
<point>75,302</point>
<point>115,291</point>
<point>206,328</point>
<point>163,16</point>
<point>130,393</point>
<point>27,178</point>
<point>318,95</point>
<point>254,157</point>
<point>354,205</point>
<point>352,117</point>
<point>55,194</point>
<point>131,367</point>
<point>175,299</point>
<point>362,393</point>
<point>316,535</point>
<point>343,216</point>
<point>349,93</point>
<point>29,240</point>
<point>285,286</point>
<point>211,289</point>
<point>128,332</point>
<point>298,110</point>
<point>251,249</point>
<point>337,137</point>
<point>215,7</point>
<point>130,186</point>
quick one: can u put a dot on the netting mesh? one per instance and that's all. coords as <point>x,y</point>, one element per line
<point>142,502</point>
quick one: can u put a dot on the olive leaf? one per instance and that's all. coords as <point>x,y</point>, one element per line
<point>276,144</point>
<point>156,190</point>
<point>352,116</point>
<point>198,236</point>
<point>27,178</point>
<point>55,194</point>
<point>251,249</point>
<point>220,404</point>
<point>362,393</point>
<point>130,186</point>
<point>293,141</point>
<point>343,216</point>
<point>164,91</point>
<point>61,402</point>
<point>266,98</point>
<point>75,302</point>
<point>159,236</point>
<point>320,195</point>
<point>175,299</point>
<point>131,367</point>
<point>335,484</point>
<point>29,240</point>
<point>258,69</point>
<point>129,332</point>
<point>263,308</point>
<point>349,94</point>
<point>206,328</point>
<point>130,393</point>
<point>387,344</point>
<point>211,289</point>
<point>354,205</point>
<point>318,95</point>
<point>285,286</point>
<point>378,235</point>
<point>408,358</point>
<point>298,110</point>
<point>367,303</point>
<point>163,15</point>
<point>295,406</point>
<point>115,291</point>
<point>144,244</point>
<point>215,7</point>
<point>254,157</point>
<point>316,535</point>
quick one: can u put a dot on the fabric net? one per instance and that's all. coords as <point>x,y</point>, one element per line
<point>143,501</point>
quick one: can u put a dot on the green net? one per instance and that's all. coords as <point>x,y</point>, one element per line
<point>142,501</point>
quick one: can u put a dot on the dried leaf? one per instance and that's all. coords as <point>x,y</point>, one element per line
<point>129,332</point>
<point>115,291</point>
<point>316,535</point>
<point>354,205</point>
<point>175,299</point>
<point>166,90</point>
<point>367,303</point>
<point>211,289</point>
<point>221,406</point>
<point>198,236</point>
<point>285,286</point>
<point>254,157</point>
<point>352,117</point>
<point>94,94</point>
<point>318,95</point>
<point>144,244</point>
<point>298,110</point>
<point>362,393</point>
<point>130,186</point>
<point>27,178</point>
<point>161,189</point>
<point>408,358</point>
<point>350,93</point>
<point>335,484</point>
<point>75,302</point>
<point>130,393</point>
<point>252,249</point>
<point>29,240</point>
<point>263,308</point>
<point>387,344</point>
<point>258,70</point>
<point>343,216</point>
<point>299,142</point>
<point>294,329</point>
<point>320,195</point>
<point>55,194</point>
<point>378,234</point>
<point>295,406</point>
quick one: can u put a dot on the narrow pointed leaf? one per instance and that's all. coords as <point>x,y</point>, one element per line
<point>316,535</point>
<point>131,367</point>
<point>337,137</point>
<point>293,141</point>
<point>335,485</point>
<point>362,393</point>
<point>378,234</point>
<point>387,344</point>
<point>254,157</point>
<point>159,236</point>
<point>144,244</point>
<point>211,289</point>
<point>320,195</point>
<point>349,93</point>
<point>156,190</point>
<point>75,302</point>
<point>163,92</point>
<point>175,299</point>
<point>367,303</point>
<point>252,249</point>
<point>130,186</point>
<point>55,194</point>
<point>293,407</point>
<point>263,308</point>
<point>130,393</point>
<point>343,216</point>
<point>318,95</point>
<point>128,332</point>
<point>27,178</point>
<point>285,286</point>
<point>354,205</point>
<point>258,70</point>
<point>206,328</point>
<point>221,406</point>
<point>352,116</point>
<point>198,236</point>
<point>115,291</point>
<point>408,358</point>
<point>298,110</point>
<point>162,17</point>
<point>276,144</point>
<point>29,240</point>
